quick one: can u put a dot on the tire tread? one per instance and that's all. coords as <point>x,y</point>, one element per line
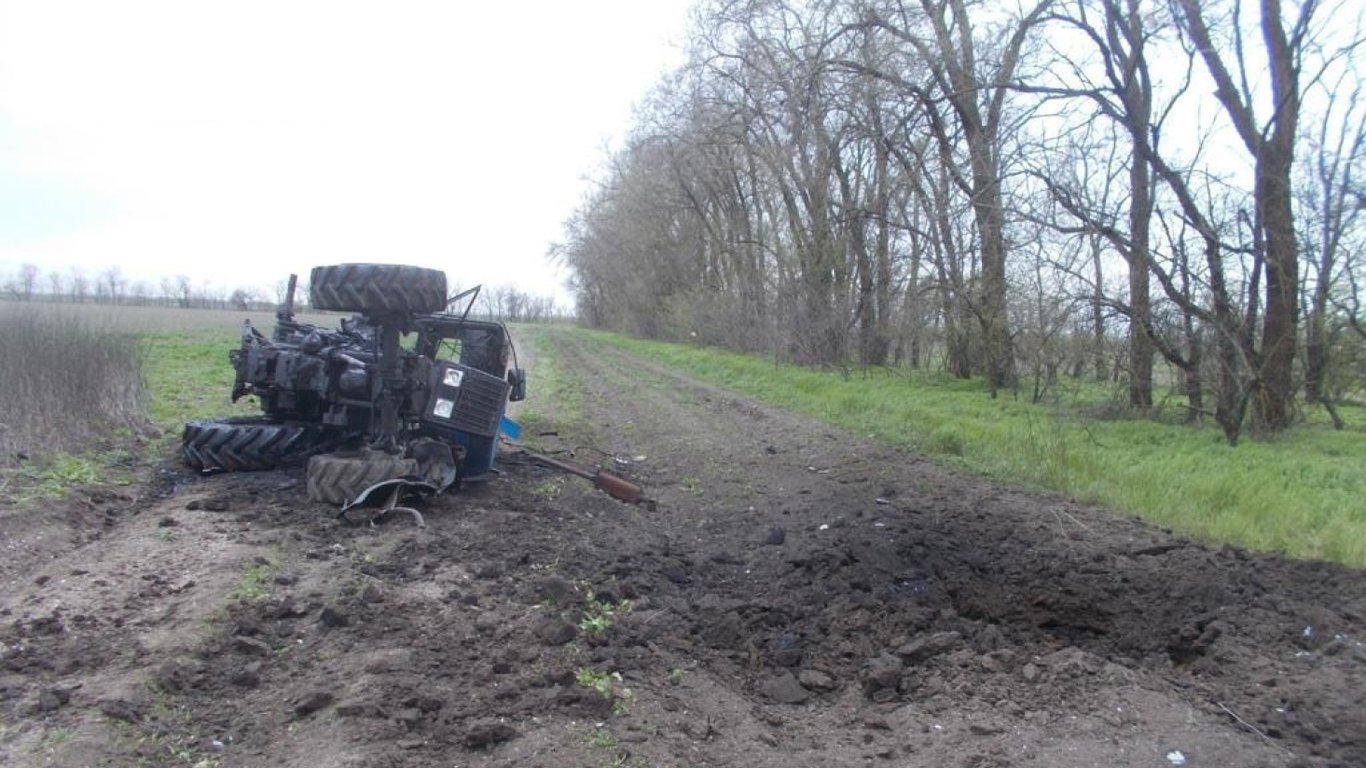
<point>247,444</point>
<point>377,288</point>
<point>338,478</point>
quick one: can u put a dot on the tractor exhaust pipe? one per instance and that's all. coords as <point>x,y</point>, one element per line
<point>616,487</point>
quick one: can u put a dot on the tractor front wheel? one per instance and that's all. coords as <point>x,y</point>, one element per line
<point>338,478</point>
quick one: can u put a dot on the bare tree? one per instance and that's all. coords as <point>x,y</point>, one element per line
<point>112,284</point>
<point>79,284</point>
<point>167,290</point>
<point>27,281</point>
<point>1121,86</point>
<point>184,291</point>
<point>974,89</point>
<point>1269,138</point>
<point>1332,233</point>
<point>839,181</point>
<point>140,292</point>
<point>242,298</point>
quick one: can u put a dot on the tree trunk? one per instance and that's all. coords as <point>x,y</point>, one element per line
<point>1140,344</point>
<point>1272,144</point>
<point>1280,324</point>
<point>990,217</point>
<point>1097,312</point>
<point>1138,108</point>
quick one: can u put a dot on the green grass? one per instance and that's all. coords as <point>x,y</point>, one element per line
<point>598,617</point>
<point>254,585</point>
<point>608,685</point>
<point>55,475</point>
<point>601,738</point>
<point>554,399</point>
<point>189,377</point>
<point>1299,493</point>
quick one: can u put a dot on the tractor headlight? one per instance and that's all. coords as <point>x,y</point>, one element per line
<point>444,408</point>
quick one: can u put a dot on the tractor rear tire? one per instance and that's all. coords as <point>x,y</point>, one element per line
<point>338,478</point>
<point>248,443</point>
<point>377,289</point>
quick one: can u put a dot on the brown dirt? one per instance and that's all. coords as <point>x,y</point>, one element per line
<point>800,597</point>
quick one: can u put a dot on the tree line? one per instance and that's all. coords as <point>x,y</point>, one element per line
<point>1068,187</point>
<point>110,286</point>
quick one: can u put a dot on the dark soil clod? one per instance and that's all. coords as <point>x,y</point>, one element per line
<point>312,702</point>
<point>784,688</point>
<point>483,735</point>
<point>554,631</point>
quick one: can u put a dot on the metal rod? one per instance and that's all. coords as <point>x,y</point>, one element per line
<point>616,487</point>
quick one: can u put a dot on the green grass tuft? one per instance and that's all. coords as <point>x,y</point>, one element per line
<point>255,583</point>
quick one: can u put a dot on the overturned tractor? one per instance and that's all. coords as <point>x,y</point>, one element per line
<point>366,410</point>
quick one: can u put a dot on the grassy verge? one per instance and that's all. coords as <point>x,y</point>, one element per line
<point>554,399</point>
<point>1299,493</point>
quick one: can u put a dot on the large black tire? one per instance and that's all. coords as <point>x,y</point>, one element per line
<point>248,443</point>
<point>338,478</point>
<point>377,288</point>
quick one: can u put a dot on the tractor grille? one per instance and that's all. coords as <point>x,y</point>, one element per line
<point>466,399</point>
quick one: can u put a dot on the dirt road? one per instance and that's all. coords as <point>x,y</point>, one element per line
<point>799,597</point>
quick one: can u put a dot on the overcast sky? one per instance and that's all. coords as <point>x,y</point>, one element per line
<point>236,142</point>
